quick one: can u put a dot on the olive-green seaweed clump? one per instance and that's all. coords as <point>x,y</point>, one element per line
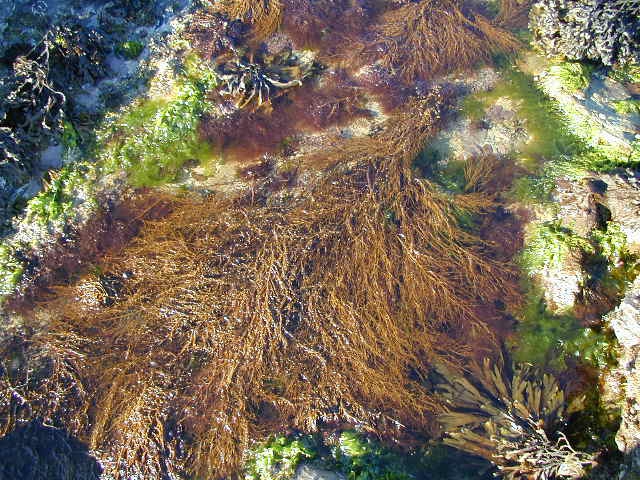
<point>511,416</point>
<point>57,202</point>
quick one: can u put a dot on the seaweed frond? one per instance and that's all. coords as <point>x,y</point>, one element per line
<point>513,14</point>
<point>244,317</point>
<point>433,37</point>
<point>510,416</point>
<point>264,16</point>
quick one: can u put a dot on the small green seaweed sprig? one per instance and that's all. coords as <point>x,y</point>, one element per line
<point>68,187</point>
<point>362,459</point>
<point>278,458</point>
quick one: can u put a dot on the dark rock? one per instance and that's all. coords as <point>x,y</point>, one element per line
<point>34,451</point>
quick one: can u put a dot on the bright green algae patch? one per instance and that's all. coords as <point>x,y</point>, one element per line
<point>154,139</point>
<point>357,457</point>
<point>11,270</point>
<point>572,76</point>
<point>626,107</point>
<point>130,49</point>
<point>278,458</point>
<point>548,338</point>
<point>59,199</point>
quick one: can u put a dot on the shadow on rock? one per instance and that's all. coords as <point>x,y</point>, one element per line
<point>34,451</point>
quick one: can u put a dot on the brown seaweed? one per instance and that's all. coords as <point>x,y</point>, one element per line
<point>434,37</point>
<point>244,318</point>
<point>264,16</point>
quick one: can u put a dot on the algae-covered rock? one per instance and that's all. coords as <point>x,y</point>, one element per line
<point>606,31</point>
<point>623,200</point>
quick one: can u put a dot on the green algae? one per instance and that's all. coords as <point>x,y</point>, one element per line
<point>550,136</point>
<point>11,270</point>
<point>58,201</point>
<point>549,338</point>
<point>362,459</point>
<point>628,73</point>
<point>552,339</point>
<point>358,457</point>
<point>555,149</point>
<point>278,458</point>
<point>550,245</point>
<point>613,267</point>
<point>572,76</point>
<point>351,454</point>
<point>154,139</point>
<point>473,108</point>
<point>130,49</point>
<point>70,137</point>
<point>627,107</point>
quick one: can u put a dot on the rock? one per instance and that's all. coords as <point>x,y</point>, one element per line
<point>500,129</point>
<point>51,157</point>
<point>625,321</point>
<point>40,452</point>
<point>590,114</point>
<point>578,206</point>
<point>310,472</point>
<point>561,283</point>
<point>623,200</point>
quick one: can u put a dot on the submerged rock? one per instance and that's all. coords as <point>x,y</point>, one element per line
<point>309,472</point>
<point>38,452</point>
<point>623,200</point>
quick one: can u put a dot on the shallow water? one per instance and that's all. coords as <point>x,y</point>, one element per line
<point>336,281</point>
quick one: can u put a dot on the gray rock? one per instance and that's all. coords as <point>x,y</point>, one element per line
<point>625,321</point>
<point>623,199</point>
<point>561,283</point>
<point>310,472</point>
<point>51,157</point>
